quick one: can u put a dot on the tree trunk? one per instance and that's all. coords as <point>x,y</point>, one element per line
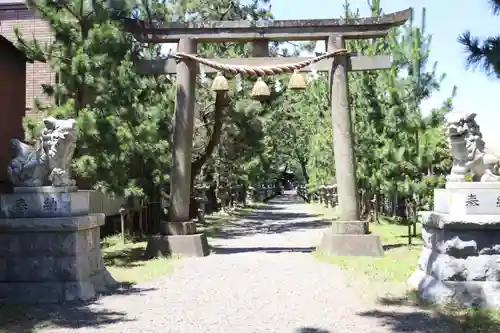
<point>197,165</point>
<point>220,104</point>
<point>303,166</point>
<point>304,171</point>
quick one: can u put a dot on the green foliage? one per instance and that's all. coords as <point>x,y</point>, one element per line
<point>485,53</point>
<point>401,155</point>
<point>316,105</point>
<point>123,118</point>
<point>32,129</point>
<point>240,157</point>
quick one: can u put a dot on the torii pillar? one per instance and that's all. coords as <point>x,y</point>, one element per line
<point>178,235</point>
<point>348,236</point>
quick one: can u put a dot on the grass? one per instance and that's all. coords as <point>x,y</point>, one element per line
<point>384,280</point>
<point>384,276</point>
<point>126,263</point>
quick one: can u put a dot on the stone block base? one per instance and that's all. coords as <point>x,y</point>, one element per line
<point>195,245</point>
<point>484,294</point>
<point>39,292</point>
<point>52,260</point>
<point>460,260</point>
<point>178,228</point>
<point>334,244</point>
<point>350,227</point>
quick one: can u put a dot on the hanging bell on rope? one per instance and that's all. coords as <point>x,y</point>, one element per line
<point>220,83</point>
<point>297,81</point>
<point>260,91</point>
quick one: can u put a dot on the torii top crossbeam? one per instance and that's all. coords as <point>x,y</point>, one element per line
<point>275,30</point>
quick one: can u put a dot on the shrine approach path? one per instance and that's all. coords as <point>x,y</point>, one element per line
<point>262,277</point>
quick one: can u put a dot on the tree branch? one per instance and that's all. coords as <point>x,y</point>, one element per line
<point>220,104</point>
<point>495,6</point>
<point>485,55</point>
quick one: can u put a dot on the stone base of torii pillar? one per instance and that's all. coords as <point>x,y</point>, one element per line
<point>178,238</point>
<point>350,238</point>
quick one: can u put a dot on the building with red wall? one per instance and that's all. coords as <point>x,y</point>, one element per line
<point>13,97</point>
<point>21,82</point>
<point>14,13</point>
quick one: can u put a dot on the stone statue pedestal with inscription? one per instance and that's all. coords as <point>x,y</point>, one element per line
<point>49,243</point>
<point>50,247</point>
<point>460,258</point>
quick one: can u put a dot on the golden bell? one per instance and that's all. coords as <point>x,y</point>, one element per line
<point>220,83</point>
<point>260,91</point>
<point>297,81</point>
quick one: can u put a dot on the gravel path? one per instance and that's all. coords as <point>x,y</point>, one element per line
<point>261,279</point>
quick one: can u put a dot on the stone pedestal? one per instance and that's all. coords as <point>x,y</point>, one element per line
<point>460,258</point>
<point>47,201</point>
<point>350,238</point>
<point>179,238</point>
<point>195,245</point>
<point>50,248</point>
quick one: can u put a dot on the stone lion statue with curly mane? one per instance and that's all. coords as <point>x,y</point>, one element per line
<point>468,150</point>
<point>49,161</point>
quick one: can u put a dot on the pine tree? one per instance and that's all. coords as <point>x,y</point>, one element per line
<point>396,147</point>
<point>484,54</point>
<point>123,118</point>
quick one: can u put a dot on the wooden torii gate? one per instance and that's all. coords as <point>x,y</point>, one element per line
<point>180,234</point>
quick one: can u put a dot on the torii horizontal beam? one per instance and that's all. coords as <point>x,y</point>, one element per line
<point>274,30</point>
<point>355,63</point>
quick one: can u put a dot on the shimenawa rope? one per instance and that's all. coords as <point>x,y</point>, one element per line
<point>257,71</point>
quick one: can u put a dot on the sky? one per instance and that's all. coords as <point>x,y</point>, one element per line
<point>475,91</point>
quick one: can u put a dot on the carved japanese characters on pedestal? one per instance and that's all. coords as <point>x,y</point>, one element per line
<point>468,151</point>
<point>49,162</point>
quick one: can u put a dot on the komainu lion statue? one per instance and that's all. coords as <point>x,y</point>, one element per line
<point>49,162</point>
<point>468,151</point>
<point>27,167</point>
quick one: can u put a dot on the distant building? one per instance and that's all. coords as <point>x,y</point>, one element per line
<point>16,13</point>
<point>13,97</point>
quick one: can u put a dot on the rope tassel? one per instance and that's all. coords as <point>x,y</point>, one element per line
<point>260,91</point>
<point>297,81</point>
<point>220,83</point>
